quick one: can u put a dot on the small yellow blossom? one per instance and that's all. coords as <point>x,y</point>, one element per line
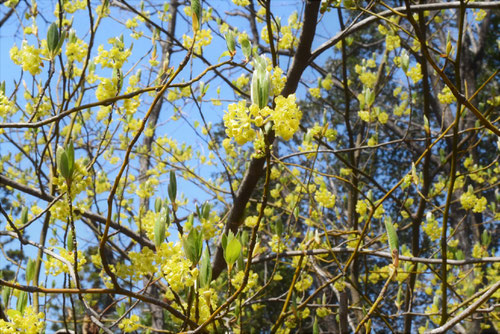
<point>315,92</point>
<point>28,57</point>
<point>446,96</point>
<point>415,73</point>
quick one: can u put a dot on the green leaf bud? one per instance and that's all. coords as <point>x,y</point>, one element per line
<point>30,270</point>
<point>24,215</point>
<point>405,61</point>
<point>53,39</point>
<point>22,300</point>
<point>172,187</point>
<point>246,47</point>
<point>193,245</point>
<point>5,295</point>
<point>158,204</point>
<point>160,228</point>
<point>233,250</point>
<point>197,14</point>
<point>205,275</point>
<point>230,42</point>
<point>69,241</point>
<point>392,235</point>
<point>62,162</point>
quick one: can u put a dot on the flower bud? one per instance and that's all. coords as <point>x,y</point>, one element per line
<point>261,83</point>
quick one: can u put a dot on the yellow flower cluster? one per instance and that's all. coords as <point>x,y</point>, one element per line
<point>470,201</point>
<point>241,3</point>
<point>251,221</point>
<point>142,263</point>
<point>72,6</point>
<point>361,207</point>
<point>366,116</point>
<point>131,105</point>
<point>431,227</point>
<point>287,39</point>
<point>203,38</point>
<point>169,260</point>
<point>27,323</point>
<point>209,226</point>
<point>44,108</point>
<point>479,15</point>
<point>286,116</point>
<point>55,267</point>
<point>146,223</point>
<point>304,283</point>
<point>132,23</point>
<point>323,312</point>
<point>392,42</point>
<point>76,51</point>
<point>327,82</point>
<point>28,57</point>
<point>238,123</point>
<point>325,198</point>
<point>114,58</point>
<point>401,109</point>
<point>278,81</point>
<point>415,73</point>
<point>6,106</point>
<point>446,96</point>
<point>179,153</point>
<point>241,82</point>
<point>106,89</point>
<point>130,324</point>
<point>367,77</point>
<point>175,267</point>
<point>277,245</point>
<point>315,92</point>
<point>237,280</point>
<point>369,116</point>
<point>379,212</point>
<point>239,119</point>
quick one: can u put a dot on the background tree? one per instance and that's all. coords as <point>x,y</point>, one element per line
<point>248,166</point>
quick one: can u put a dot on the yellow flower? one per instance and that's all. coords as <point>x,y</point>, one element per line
<point>315,92</point>
<point>241,3</point>
<point>361,207</point>
<point>392,42</point>
<point>446,96</point>
<point>286,116</point>
<point>415,73</point>
<point>468,200</point>
<point>325,198</point>
<point>278,81</point>
<point>28,323</point>
<point>106,89</point>
<point>76,51</point>
<point>130,324</point>
<point>28,57</point>
<point>238,123</point>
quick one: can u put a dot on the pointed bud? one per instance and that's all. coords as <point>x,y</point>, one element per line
<point>197,14</point>
<point>405,61</point>
<point>230,42</point>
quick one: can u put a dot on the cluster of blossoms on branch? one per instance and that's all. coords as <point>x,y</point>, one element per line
<point>246,123</point>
